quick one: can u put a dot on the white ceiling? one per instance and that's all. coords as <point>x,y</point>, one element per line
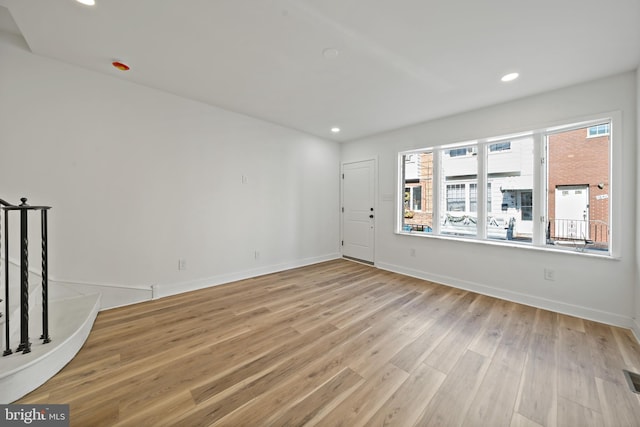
<point>399,62</point>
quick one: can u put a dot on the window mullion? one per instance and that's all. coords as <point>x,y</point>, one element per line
<point>540,217</point>
<point>436,189</point>
<point>481,191</point>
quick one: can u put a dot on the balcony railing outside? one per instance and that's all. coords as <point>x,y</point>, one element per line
<point>584,234</point>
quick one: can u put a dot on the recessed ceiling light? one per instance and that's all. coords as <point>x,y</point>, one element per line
<point>120,65</point>
<point>335,130</point>
<point>330,53</point>
<point>510,77</point>
<point>87,2</point>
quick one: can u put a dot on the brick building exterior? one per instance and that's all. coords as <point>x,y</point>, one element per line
<point>576,163</point>
<point>423,180</point>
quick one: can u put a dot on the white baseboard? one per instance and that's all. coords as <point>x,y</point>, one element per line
<point>531,300</point>
<point>112,296</point>
<point>635,328</point>
<point>161,291</point>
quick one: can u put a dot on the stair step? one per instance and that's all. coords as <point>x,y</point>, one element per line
<point>70,321</point>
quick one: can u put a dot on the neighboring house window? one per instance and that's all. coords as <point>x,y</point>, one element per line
<point>456,198</point>
<point>526,205</point>
<point>547,188</point>
<point>501,146</point>
<point>414,198</point>
<point>598,130</point>
<point>462,151</point>
<point>473,198</point>
<point>457,152</point>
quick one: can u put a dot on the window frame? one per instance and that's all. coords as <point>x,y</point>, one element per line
<point>539,191</point>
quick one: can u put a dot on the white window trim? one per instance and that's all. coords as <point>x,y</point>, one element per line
<point>539,193</point>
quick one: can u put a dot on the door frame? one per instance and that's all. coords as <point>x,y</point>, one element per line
<point>375,203</point>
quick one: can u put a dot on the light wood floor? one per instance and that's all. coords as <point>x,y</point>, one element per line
<point>344,344</point>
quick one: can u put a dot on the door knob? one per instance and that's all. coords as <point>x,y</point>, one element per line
<point>370,216</point>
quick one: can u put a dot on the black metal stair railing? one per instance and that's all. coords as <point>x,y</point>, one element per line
<point>24,209</point>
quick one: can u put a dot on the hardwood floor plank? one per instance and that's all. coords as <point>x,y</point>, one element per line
<point>263,364</point>
<point>446,354</point>
<point>145,378</point>
<point>364,402</point>
<point>452,401</point>
<point>576,380</point>
<point>607,362</point>
<point>495,399</point>
<point>620,406</point>
<point>155,414</point>
<point>417,351</point>
<point>487,341</point>
<point>519,328</point>
<point>379,354</point>
<point>628,347</point>
<point>405,405</point>
<point>312,372</point>
<point>572,323</point>
<point>519,420</point>
<point>341,343</point>
<point>539,390</point>
<point>270,377</point>
<point>325,397</point>
<point>571,413</point>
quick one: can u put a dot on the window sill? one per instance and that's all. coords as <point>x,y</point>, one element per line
<point>510,244</point>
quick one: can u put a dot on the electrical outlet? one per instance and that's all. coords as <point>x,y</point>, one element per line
<point>182,264</point>
<point>412,252</point>
<point>549,274</point>
<point>256,254</point>
<point>245,179</point>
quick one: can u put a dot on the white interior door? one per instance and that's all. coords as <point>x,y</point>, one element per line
<point>358,218</point>
<point>572,212</point>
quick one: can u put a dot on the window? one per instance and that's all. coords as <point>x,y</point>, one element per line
<point>510,175</point>
<point>501,146</point>
<point>459,152</point>
<point>547,188</point>
<point>598,130</point>
<point>413,197</point>
<point>456,198</point>
<point>418,195</point>
<point>578,202</point>
<point>473,198</point>
<point>526,206</point>
<point>458,174</point>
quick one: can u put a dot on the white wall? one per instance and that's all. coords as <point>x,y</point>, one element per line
<point>139,178</point>
<point>597,288</point>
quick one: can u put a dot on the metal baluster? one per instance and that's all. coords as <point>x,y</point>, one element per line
<point>7,350</point>
<point>45,281</point>
<point>25,345</point>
